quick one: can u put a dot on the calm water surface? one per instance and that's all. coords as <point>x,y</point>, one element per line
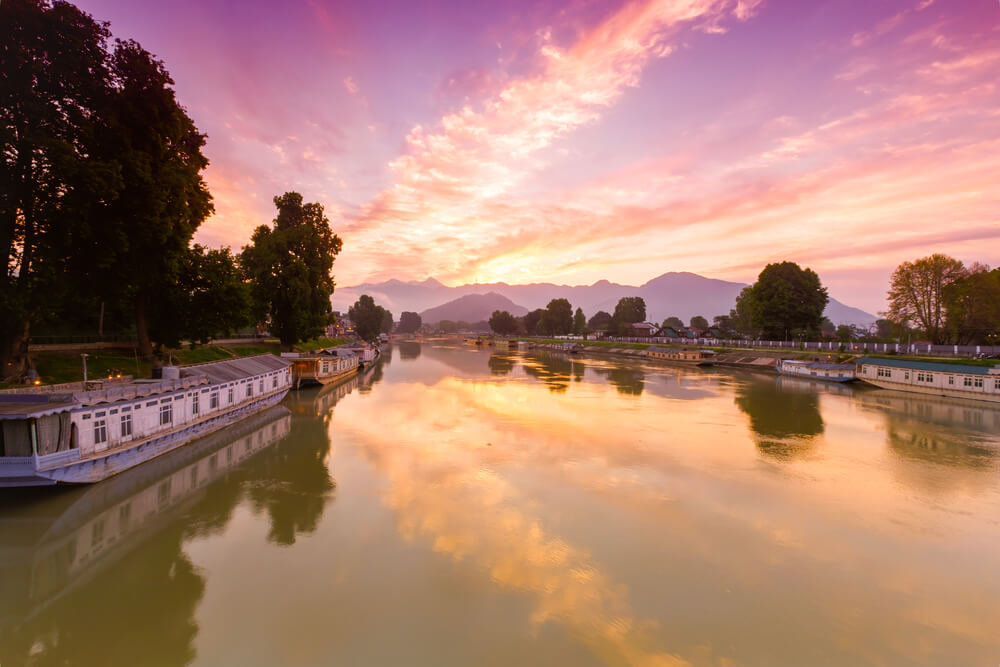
<point>457,507</point>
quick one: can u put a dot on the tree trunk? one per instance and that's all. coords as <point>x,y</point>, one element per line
<point>142,330</point>
<point>14,352</point>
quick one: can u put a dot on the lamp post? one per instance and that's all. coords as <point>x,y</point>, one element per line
<point>84,357</point>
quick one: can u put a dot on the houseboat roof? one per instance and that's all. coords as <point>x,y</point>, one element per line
<point>29,406</point>
<point>237,369</point>
<point>940,367</point>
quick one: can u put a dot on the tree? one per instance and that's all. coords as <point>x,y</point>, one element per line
<point>973,306</point>
<point>409,322</point>
<point>55,86</point>
<point>724,323</point>
<point>368,318</point>
<point>447,326</point>
<point>699,322</point>
<point>630,309</point>
<point>579,322</point>
<point>845,333</point>
<point>741,316</point>
<point>387,322</point>
<point>289,267</point>
<point>209,298</point>
<point>137,242</point>
<point>787,301</point>
<point>532,320</point>
<point>673,322</point>
<point>885,329</point>
<point>600,321</point>
<point>503,323</point>
<point>827,328</point>
<point>917,289</point>
<point>558,318</point>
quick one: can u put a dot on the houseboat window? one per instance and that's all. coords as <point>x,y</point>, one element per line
<point>100,431</point>
<point>996,384</point>
<point>906,375</point>
<point>126,421</point>
<point>166,414</point>
<point>920,377</point>
<point>951,379</point>
<point>230,395</point>
<point>87,416</point>
<point>979,382</point>
<point>194,405</point>
<point>213,401</point>
<point>250,389</point>
<point>274,381</point>
<point>326,367</point>
<point>15,438</point>
<point>930,377</point>
<point>968,382</point>
<point>261,387</point>
<point>113,412</point>
<point>127,408</point>
<point>150,404</point>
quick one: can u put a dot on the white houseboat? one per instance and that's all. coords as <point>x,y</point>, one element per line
<point>84,433</point>
<point>981,383</point>
<point>817,370</point>
<point>321,366</point>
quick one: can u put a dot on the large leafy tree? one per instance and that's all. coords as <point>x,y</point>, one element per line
<point>673,322</point>
<point>917,293</point>
<point>786,301</point>
<point>209,298</point>
<point>579,322</point>
<point>558,318</point>
<point>973,305</point>
<point>409,322</point>
<point>503,323</point>
<point>54,89</point>
<point>533,322</point>
<point>699,322</point>
<point>367,317</point>
<point>289,268</point>
<point>387,322</point>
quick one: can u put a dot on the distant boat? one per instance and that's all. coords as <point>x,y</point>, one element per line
<point>87,432</point>
<point>572,348</point>
<point>817,370</point>
<point>696,357</point>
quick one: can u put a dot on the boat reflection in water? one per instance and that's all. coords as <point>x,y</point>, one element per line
<point>53,544</point>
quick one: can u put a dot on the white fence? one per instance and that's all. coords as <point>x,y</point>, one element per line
<point>967,351</point>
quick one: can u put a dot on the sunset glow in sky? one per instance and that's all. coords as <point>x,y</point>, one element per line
<point>570,142</point>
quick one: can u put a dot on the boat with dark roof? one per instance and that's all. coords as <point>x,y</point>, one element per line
<point>817,370</point>
<point>85,432</point>
<point>981,383</point>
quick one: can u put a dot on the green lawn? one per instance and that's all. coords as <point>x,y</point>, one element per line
<point>320,343</point>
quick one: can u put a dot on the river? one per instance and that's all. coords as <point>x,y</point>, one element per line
<point>454,506</point>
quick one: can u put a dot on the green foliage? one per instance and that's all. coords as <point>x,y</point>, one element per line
<point>787,301</point>
<point>973,307</point>
<point>558,318</point>
<point>289,267</point>
<point>673,322</point>
<point>409,323</point>
<point>368,318</point>
<point>532,321</point>
<point>447,326</point>
<point>699,322</point>
<point>601,321</point>
<point>827,328</point>
<point>917,293</point>
<point>579,322</point>
<point>503,323</point>
<point>845,333</point>
<point>387,322</point>
<point>630,309</point>
<point>320,343</point>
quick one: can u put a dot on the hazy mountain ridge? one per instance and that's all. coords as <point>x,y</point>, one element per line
<point>472,308</point>
<point>681,294</point>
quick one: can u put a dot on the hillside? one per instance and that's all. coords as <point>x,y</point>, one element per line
<point>681,294</point>
<point>472,308</point>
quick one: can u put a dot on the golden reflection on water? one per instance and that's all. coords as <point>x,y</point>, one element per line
<point>656,515</point>
<point>453,453</point>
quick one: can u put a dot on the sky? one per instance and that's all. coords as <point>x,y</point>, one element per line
<point>529,141</point>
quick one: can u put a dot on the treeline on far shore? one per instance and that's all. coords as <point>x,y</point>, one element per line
<point>935,299</point>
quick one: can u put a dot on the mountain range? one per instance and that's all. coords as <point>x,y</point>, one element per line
<point>683,295</point>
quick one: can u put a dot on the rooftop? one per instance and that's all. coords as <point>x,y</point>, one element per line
<point>938,366</point>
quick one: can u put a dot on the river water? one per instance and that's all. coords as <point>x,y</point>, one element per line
<point>455,506</point>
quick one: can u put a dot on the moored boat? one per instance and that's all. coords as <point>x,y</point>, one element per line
<point>981,383</point>
<point>86,432</point>
<point>696,357</point>
<point>321,366</point>
<point>817,370</point>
